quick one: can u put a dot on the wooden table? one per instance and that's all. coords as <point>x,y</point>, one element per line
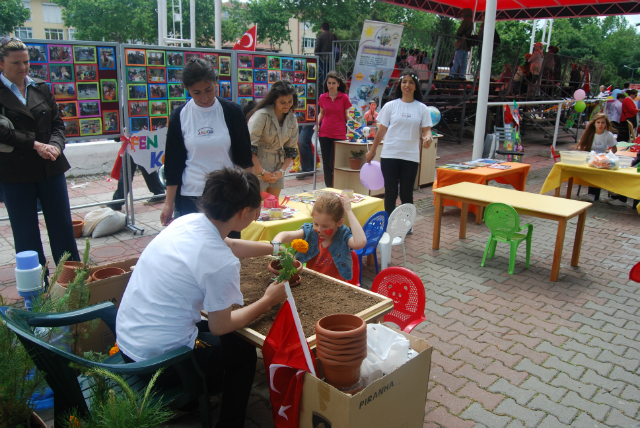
<point>548,207</point>
<point>623,181</point>
<point>516,176</point>
<point>267,230</point>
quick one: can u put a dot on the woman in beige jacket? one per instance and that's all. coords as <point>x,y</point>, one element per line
<point>274,136</point>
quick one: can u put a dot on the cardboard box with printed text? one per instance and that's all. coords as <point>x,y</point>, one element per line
<point>397,400</point>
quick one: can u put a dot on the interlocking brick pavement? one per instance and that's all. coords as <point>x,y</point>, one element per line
<point>509,350</point>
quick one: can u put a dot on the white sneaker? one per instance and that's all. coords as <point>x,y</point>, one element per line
<point>586,198</point>
<point>616,202</point>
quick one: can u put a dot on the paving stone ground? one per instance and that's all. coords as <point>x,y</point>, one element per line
<point>509,350</point>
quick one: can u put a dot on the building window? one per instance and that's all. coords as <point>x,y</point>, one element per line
<point>27,5</point>
<point>23,32</point>
<point>51,13</point>
<point>308,42</point>
<point>53,34</point>
<point>72,33</point>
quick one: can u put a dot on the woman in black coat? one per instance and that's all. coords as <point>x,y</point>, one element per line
<point>32,164</point>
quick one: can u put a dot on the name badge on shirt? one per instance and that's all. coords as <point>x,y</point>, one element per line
<point>204,132</point>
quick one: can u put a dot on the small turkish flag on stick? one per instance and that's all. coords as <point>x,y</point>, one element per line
<point>248,41</point>
<point>287,357</point>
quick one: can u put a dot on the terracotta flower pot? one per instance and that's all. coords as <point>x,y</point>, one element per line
<point>68,273</point>
<point>341,367</point>
<point>78,227</point>
<point>274,267</point>
<point>355,163</point>
<point>105,273</point>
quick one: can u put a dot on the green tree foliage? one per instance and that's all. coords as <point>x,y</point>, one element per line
<point>12,14</point>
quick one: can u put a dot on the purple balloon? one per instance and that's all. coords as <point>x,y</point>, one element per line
<point>371,176</point>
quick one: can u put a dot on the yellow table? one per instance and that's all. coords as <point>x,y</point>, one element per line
<point>267,230</point>
<point>548,207</point>
<point>624,181</point>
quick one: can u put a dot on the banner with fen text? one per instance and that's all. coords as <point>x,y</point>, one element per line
<point>375,61</point>
<point>147,148</point>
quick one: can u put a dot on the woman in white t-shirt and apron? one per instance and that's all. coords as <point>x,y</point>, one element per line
<point>405,126</point>
<point>597,137</point>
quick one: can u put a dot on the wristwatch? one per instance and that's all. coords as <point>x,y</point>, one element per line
<point>283,172</point>
<point>276,247</point>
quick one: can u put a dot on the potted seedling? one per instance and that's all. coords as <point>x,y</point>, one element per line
<point>355,161</point>
<point>286,267</point>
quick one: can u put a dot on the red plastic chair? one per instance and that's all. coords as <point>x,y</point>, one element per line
<point>634,274</point>
<point>355,279</point>
<point>407,292</point>
<point>554,154</point>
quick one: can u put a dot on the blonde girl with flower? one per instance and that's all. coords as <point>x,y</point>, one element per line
<point>327,242</point>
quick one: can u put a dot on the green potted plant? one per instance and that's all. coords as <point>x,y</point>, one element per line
<point>355,161</point>
<point>286,267</point>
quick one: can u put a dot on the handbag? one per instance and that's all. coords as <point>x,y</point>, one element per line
<point>4,121</point>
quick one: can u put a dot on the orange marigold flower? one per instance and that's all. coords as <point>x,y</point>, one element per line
<point>114,350</point>
<point>74,422</point>
<point>300,245</point>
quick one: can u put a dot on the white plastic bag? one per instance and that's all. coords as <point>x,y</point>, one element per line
<point>110,225</point>
<point>604,161</point>
<point>94,217</point>
<point>386,351</point>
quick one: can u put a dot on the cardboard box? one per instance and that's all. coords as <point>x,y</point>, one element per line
<point>109,289</point>
<point>396,400</point>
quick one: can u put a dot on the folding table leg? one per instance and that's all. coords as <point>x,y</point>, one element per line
<point>463,220</point>
<point>557,254</point>
<point>577,243</point>
<point>569,188</point>
<point>437,222</point>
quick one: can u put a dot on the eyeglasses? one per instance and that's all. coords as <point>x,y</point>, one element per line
<point>8,39</point>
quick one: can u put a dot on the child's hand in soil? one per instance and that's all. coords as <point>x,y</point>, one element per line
<point>346,202</point>
<point>275,294</point>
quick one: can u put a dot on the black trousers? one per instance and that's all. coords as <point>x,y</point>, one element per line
<point>152,180</point>
<point>229,363</point>
<point>21,200</point>
<point>328,145</point>
<point>188,205</point>
<point>397,171</point>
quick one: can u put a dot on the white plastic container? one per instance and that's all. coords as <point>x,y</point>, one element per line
<point>625,161</point>
<point>573,157</point>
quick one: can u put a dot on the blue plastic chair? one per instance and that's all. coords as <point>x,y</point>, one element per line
<point>374,228</point>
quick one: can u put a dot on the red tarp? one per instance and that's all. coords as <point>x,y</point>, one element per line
<point>526,9</point>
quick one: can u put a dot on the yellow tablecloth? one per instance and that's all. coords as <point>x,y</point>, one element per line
<point>624,181</point>
<point>267,230</point>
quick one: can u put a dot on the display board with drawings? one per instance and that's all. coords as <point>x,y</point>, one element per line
<point>152,82</point>
<point>257,71</point>
<point>83,77</point>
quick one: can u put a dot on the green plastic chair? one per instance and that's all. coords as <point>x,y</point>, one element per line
<point>504,223</point>
<point>71,391</point>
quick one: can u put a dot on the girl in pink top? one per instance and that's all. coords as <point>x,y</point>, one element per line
<point>334,105</point>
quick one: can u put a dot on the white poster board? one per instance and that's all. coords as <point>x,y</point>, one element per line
<point>147,148</point>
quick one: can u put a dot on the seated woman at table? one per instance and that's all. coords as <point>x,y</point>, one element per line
<point>190,266</point>
<point>330,241</point>
<point>598,138</point>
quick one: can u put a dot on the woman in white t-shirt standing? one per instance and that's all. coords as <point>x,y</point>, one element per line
<point>205,134</point>
<point>192,266</point>
<point>405,126</point>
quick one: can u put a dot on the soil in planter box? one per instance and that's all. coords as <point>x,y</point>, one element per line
<point>315,297</point>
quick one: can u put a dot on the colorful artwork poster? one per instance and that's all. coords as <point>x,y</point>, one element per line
<point>287,75</point>
<point>138,108</point>
<point>156,58</point>
<point>274,62</point>
<point>137,92</point>
<point>137,124</point>
<point>299,77</point>
<point>37,53</point>
<point>90,127</point>
<point>260,76</point>
<point>245,75</point>
<point>260,90</point>
<point>211,58</point>
<point>287,64</point>
<point>300,65</point>
<point>259,61</point>
<point>311,90</point>
<point>274,76</point>
<point>243,101</point>
<point>61,73</point>
<point>301,90</point>
<point>60,53</point>
<point>245,90</point>
<point>136,74</point>
<point>174,75</point>
<point>107,58</point>
<point>176,104</point>
<point>311,112</point>
<point>245,61</point>
<point>89,108</point>
<point>176,90</point>
<point>375,61</point>
<point>87,73</point>
<point>68,109</point>
<point>225,66</point>
<point>312,71</point>
<point>111,121</point>
<point>71,128</point>
<point>84,54</point>
<point>109,90</point>
<point>188,56</point>
<point>225,89</point>
<point>175,59</point>
<point>135,57</point>
<point>88,91</point>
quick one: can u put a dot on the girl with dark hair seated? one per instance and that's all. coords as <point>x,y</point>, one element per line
<point>192,266</point>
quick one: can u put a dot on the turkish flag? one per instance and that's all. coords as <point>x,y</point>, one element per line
<point>286,361</point>
<point>115,172</point>
<point>248,41</point>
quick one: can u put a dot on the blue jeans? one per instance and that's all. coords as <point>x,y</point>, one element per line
<point>459,64</point>
<point>305,147</point>
<point>21,202</point>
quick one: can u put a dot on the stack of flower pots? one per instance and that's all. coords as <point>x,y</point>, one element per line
<point>341,346</point>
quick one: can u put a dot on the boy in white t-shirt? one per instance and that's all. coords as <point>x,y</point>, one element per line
<point>192,266</point>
